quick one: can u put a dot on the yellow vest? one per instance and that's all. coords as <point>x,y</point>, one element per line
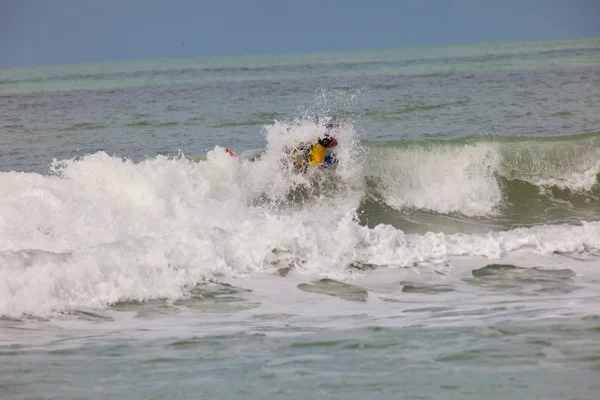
<point>317,154</point>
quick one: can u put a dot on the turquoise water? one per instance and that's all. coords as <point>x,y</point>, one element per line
<point>452,253</point>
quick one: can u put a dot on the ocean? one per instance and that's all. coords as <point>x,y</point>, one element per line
<point>452,253</point>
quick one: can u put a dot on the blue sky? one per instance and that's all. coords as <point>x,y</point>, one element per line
<point>39,32</point>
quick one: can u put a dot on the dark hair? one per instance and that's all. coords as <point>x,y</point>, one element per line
<point>325,142</point>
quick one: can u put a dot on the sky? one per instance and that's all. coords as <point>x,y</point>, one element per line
<point>46,32</point>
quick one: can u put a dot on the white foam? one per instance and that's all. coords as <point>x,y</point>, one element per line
<point>446,179</point>
<point>573,180</point>
<point>107,230</point>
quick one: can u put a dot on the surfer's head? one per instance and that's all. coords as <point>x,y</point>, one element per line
<point>328,141</point>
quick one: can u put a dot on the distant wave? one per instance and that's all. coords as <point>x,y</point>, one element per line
<point>536,178</point>
<point>413,62</point>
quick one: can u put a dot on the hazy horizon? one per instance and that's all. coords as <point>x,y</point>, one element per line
<point>291,54</point>
<point>37,33</point>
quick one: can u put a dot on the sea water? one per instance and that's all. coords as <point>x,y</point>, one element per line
<point>453,252</point>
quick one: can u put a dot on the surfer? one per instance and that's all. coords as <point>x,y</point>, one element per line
<point>318,154</point>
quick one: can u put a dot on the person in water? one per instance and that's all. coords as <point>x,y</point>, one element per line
<point>318,154</point>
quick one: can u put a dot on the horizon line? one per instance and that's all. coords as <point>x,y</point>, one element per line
<point>295,53</point>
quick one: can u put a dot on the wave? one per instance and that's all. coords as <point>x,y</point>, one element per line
<point>84,126</point>
<point>489,176</point>
<point>101,230</point>
<point>152,123</point>
<point>447,60</point>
